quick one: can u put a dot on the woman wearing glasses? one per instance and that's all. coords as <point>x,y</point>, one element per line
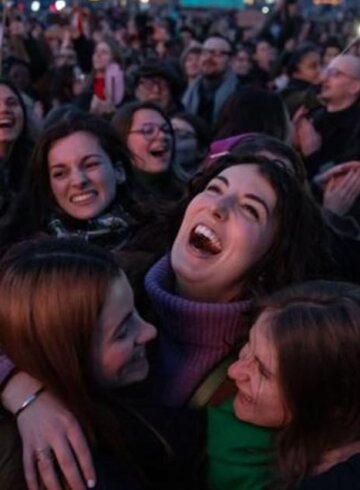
<point>147,133</point>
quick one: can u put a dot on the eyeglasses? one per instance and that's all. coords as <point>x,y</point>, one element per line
<point>150,83</point>
<point>151,130</point>
<point>331,71</point>
<point>215,53</point>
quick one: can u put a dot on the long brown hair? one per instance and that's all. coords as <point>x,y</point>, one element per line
<point>315,327</point>
<point>51,294</point>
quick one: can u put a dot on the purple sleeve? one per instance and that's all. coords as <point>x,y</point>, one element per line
<point>6,368</point>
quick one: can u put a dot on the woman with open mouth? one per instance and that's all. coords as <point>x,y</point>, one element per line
<point>148,134</point>
<point>249,228</point>
<point>15,143</point>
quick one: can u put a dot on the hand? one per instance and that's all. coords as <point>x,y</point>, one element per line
<point>46,427</point>
<point>341,192</point>
<point>339,170</point>
<point>306,138</point>
<point>101,107</point>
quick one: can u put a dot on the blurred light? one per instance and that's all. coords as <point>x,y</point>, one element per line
<point>269,1</point>
<point>35,6</point>
<point>358,30</point>
<point>144,2</point>
<point>60,4</point>
<point>265,10</point>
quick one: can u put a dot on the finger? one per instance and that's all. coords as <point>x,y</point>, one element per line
<point>30,470</point>
<point>69,467</point>
<point>81,449</point>
<point>48,474</point>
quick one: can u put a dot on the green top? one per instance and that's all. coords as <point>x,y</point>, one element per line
<point>239,454</point>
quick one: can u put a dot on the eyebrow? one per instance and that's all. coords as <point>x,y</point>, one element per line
<point>86,157</point>
<point>249,196</point>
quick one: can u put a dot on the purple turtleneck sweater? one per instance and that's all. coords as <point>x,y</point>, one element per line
<point>193,337</point>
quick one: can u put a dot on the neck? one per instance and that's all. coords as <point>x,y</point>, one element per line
<point>4,146</point>
<point>338,106</point>
<point>336,456</point>
<point>201,294</point>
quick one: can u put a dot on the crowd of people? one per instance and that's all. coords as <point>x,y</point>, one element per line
<point>179,250</point>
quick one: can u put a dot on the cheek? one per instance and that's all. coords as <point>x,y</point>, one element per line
<point>114,360</point>
<point>57,189</point>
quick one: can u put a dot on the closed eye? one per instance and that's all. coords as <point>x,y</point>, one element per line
<point>92,164</point>
<point>213,188</point>
<point>251,210</point>
<point>58,174</point>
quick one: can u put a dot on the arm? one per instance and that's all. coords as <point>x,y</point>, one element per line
<point>47,428</point>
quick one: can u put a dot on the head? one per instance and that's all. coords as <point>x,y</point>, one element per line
<point>237,237</point>
<point>190,61</point>
<point>157,82</point>
<point>192,140</point>
<point>76,167</point>
<point>107,51</point>
<point>331,50</point>
<point>305,64</point>
<point>67,317</point>
<point>19,73</point>
<point>252,110</point>
<point>146,131</point>
<point>215,57</point>
<point>12,116</point>
<point>301,364</point>
<point>340,86</point>
<point>241,62</point>
<point>264,54</point>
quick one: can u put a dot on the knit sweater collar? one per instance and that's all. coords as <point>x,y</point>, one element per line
<point>211,324</point>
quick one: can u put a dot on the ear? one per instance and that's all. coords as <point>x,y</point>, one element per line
<point>355,88</point>
<point>120,175</point>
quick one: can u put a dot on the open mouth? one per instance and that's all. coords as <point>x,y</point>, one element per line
<point>205,240</point>
<point>6,123</point>
<point>244,397</point>
<point>159,153</point>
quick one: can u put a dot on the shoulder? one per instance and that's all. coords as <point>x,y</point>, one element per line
<point>342,476</point>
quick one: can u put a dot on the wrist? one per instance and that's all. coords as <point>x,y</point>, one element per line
<point>18,389</point>
<point>28,401</point>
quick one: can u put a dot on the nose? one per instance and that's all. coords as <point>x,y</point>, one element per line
<point>79,178</point>
<point>221,208</point>
<point>238,371</point>
<point>145,332</point>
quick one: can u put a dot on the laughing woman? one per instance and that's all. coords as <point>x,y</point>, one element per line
<point>148,134</point>
<point>299,374</point>
<point>249,229</point>
<point>15,144</point>
<point>67,317</point>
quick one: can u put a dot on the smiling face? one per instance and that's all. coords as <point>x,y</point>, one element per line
<point>102,57</point>
<point>119,357</point>
<point>226,229</point>
<point>11,117</point>
<point>151,152</point>
<point>258,400</point>
<point>82,177</point>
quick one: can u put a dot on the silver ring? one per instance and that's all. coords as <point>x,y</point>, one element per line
<point>45,454</point>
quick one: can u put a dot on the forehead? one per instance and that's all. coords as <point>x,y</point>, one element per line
<point>181,124</point>
<point>147,115</point>
<point>345,65</point>
<point>79,143</point>
<point>103,46</point>
<point>216,43</point>
<point>262,341</point>
<point>6,91</point>
<point>247,178</point>
<point>310,57</point>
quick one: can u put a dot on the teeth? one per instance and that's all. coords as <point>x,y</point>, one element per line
<point>204,231</point>
<point>82,197</point>
<point>139,355</point>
